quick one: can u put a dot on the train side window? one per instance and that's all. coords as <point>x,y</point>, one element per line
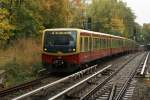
<point>106,44</point>
<point>90,43</point>
<point>112,46</point>
<point>100,45</point>
<point>103,43</point>
<point>113,43</point>
<point>86,44</point>
<point>97,43</point>
<point>94,45</point>
<point>120,43</point>
<point>110,42</point>
<point>81,44</point>
<point>101,40</point>
<point>117,43</point>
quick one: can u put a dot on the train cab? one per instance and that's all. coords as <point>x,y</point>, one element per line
<point>60,49</point>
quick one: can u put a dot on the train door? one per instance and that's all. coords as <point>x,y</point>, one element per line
<point>108,46</point>
<point>90,45</point>
<point>85,48</point>
<point>111,46</point>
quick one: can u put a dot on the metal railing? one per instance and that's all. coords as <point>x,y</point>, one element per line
<point>56,82</point>
<point>79,83</point>
<point>145,64</point>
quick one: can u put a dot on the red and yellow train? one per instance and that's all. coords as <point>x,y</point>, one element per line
<point>67,49</point>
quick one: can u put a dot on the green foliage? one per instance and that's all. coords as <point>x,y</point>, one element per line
<point>54,13</point>
<point>17,74</point>
<point>99,10</point>
<point>30,17</point>
<point>146,33</point>
<point>36,67</point>
<point>112,16</point>
<point>5,26</point>
<point>26,18</point>
<point>25,24</point>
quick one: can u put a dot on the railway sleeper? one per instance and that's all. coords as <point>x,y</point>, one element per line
<point>2,79</point>
<point>106,72</point>
<point>69,97</point>
<point>92,83</point>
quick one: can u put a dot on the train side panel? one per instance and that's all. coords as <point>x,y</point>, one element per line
<point>90,46</point>
<point>93,47</point>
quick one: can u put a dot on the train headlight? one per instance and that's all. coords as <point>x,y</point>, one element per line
<point>74,49</point>
<point>45,49</point>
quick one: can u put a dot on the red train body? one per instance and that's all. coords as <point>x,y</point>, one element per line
<point>66,49</point>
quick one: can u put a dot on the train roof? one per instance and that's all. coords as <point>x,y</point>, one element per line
<point>87,31</point>
<point>100,33</point>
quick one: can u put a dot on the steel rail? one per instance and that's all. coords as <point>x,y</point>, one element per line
<point>113,91</point>
<point>21,86</point>
<point>53,83</point>
<point>144,66</point>
<point>81,82</point>
<point>127,82</point>
<point>101,84</point>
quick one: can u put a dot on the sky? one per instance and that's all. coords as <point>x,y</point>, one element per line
<point>141,9</point>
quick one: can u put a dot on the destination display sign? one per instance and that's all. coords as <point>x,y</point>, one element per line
<point>65,33</point>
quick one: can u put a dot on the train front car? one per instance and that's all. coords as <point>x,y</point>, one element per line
<point>60,52</point>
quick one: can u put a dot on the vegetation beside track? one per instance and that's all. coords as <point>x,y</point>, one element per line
<point>21,61</point>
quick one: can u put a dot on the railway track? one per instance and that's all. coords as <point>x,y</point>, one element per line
<point>141,90</point>
<point>8,93</point>
<point>121,87</point>
<point>21,86</point>
<point>12,92</point>
<point>103,90</point>
<point>75,86</point>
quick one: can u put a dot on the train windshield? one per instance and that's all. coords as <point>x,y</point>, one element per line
<point>60,41</point>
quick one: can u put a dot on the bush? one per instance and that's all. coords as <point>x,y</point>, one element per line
<point>36,67</point>
<point>16,73</point>
<point>23,60</point>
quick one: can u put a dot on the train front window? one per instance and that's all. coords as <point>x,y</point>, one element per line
<point>60,41</point>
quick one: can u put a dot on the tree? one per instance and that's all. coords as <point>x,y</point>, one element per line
<point>146,33</point>
<point>54,13</point>
<point>112,16</point>
<point>5,26</point>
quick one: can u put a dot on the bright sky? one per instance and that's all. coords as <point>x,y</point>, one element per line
<point>141,8</point>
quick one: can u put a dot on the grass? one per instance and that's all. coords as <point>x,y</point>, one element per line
<point>21,61</point>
